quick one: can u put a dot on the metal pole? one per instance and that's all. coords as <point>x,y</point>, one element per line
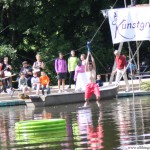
<point>129,46</point>
<point>138,63</point>
<point>125,4</point>
<point>131,68</point>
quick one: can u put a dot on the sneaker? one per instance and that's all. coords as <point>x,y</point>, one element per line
<point>63,91</point>
<point>59,91</point>
<point>127,90</point>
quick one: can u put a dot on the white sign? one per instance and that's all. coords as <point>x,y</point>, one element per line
<point>129,24</point>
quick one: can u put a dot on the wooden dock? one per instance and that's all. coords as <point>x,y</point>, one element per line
<point>7,100</point>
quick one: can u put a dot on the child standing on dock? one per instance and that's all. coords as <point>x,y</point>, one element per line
<point>44,81</point>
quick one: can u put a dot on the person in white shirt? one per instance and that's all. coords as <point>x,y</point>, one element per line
<point>35,82</point>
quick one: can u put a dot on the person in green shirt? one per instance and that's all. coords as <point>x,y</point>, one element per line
<point>72,63</point>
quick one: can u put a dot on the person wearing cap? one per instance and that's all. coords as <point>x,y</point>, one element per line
<point>121,68</point>
<point>27,71</point>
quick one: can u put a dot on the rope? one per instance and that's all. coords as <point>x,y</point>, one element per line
<point>101,24</point>
<point>100,62</point>
<point>4,29</point>
<point>76,49</point>
<point>67,54</point>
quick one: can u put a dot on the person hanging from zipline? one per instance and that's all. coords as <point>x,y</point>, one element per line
<point>91,87</point>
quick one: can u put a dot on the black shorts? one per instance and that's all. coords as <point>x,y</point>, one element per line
<point>61,76</point>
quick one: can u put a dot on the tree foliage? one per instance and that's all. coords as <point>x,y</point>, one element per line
<point>50,26</point>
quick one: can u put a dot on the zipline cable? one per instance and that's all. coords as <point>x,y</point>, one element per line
<point>99,62</point>
<point>101,24</point>
<point>4,29</point>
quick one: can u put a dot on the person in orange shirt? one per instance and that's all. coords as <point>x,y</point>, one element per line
<point>44,81</point>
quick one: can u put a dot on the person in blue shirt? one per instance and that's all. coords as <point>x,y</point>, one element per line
<point>130,69</point>
<point>99,80</point>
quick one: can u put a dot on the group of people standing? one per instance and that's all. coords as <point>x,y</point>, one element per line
<point>76,69</point>
<point>82,71</point>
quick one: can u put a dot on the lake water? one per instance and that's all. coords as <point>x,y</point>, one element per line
<point>118,124</point>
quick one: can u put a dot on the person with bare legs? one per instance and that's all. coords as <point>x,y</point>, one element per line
<point>35,82</point>
<point>23,84</point>
<point>91,87</point>
<point>61,70</point>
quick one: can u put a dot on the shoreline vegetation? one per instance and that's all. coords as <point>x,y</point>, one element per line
<point>145,86</point>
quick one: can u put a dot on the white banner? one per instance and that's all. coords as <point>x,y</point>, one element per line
<point>129,24</point>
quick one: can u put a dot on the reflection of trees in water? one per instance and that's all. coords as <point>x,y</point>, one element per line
<point>8,117</point>
<point>133,115</point>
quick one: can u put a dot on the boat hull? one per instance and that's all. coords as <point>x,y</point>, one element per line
<point>107,92</point>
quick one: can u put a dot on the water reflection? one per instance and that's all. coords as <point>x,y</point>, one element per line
<point>92,133</point>
<point>118,124</point>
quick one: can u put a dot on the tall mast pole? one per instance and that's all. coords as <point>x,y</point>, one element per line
<point>125,3</point>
